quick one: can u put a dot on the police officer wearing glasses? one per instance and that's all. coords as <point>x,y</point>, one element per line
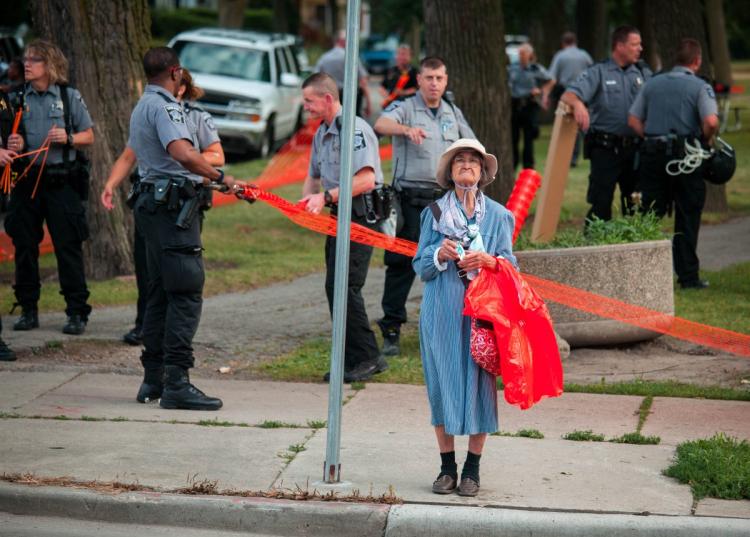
<point>674,109</point>
<point>55,112</point>
<point>601,98</point>
<point>166,213</point>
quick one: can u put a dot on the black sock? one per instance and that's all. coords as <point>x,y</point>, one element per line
<point>471,466</point>
<point>448,466</point>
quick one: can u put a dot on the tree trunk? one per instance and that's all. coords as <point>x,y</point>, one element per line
<point>591,24</point>
<point>281,15</point>
<point>673,20</point>
<point>546,28</point>
<point>105,66</point>
<point>232,13</point>
<point>717,35</point>
<point>469,35</point>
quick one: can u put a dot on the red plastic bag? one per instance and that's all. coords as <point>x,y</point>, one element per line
<point>529,357</point>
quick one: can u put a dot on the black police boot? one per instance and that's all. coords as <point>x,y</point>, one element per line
<point>152,386</point>
<point>6,355</point>
<point>179,393</point>
<point>75,326</point>
<point>391,346</point>
<point>134,337</point>
<point>29,319</point>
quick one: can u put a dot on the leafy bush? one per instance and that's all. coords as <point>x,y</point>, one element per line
<point>624,229</point>
<point>166,23</point>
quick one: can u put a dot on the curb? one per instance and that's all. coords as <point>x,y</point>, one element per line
<point>283,518</point>
<point>410,520</point>
<point>259,515</point>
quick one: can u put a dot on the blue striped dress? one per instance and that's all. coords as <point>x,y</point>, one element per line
<point>463,397</point>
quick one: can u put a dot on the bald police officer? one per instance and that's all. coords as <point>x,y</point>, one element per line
<point>166,214</point>
<point>56,112</point>
<point>321,188</point>
<point>672,109</point>
<point>422,128</point>
<point>608,89</point>
<point>528,81</point>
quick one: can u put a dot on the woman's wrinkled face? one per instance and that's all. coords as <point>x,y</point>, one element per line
<point>466,168</point>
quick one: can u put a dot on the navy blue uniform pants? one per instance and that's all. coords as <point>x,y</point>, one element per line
<point>175,285</point>
<point>524,119</point>
<point>61,207</point>
<point>360,344</point>
<point>687,193</point>
<point>611,167</point>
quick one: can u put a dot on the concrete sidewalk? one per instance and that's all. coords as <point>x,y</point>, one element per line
<point>89,427</point>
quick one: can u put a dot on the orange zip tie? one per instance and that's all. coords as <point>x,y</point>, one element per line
<point>5,182</point>
<point>41,168</point>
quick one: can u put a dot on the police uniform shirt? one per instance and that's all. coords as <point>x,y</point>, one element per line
<point>201,125</point>
<point>43,110</point>
<point>524,79</point>
<point>332,63</point>
<point>157,120</point>
<point>568,63</point>
<point>325,159</point>
<point>609,91</point>
<point>392,77</point>
<point>675,102</point>
<point>415,165</point>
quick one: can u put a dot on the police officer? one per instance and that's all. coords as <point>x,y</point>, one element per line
<point>528,82</point>
<point>6,157</point>
<point>673,109</point>
<point>608,89</point>
<point>400,81</point>
<point>201,125</point>
<point>171,171</point>
<point>422,127</point>
<point>321,188</point>
<point>56,112</point>
<point>332,63</point>
<point>567,64</point>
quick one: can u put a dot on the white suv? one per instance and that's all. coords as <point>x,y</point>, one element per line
<point>252,82</point>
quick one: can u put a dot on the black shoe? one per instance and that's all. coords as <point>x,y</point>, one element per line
<point>134,337</point>
<point>468,487</point>
<point>694,284</point>
<point>151,387</point>
<point>179,393</point>
<point>361,372</point>
<point>445,484</point>
<point>6,355</point>
<point>29,319</point>
<point>75,326</point>
<point>391,344</point>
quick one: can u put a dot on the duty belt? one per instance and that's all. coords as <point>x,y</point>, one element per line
<point>613,140</point>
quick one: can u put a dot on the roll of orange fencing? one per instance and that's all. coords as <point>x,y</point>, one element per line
<point>519,202</point>
<point>603,306</point>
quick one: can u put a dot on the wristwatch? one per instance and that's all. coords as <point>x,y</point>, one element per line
<point>327,198</point>
<point>70,139</point>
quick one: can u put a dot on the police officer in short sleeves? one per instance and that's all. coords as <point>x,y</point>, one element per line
<point>60,195</point>
<point>674,108</point>
<point>172,171</point>
<point>321,188</point>
<point>601,98</point>
<point>422,127</point>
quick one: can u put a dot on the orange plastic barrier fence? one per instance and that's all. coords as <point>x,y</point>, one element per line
<point>600,305</point>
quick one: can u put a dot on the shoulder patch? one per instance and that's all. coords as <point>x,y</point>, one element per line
<point>175,113</point>
<point>359,140</point>
<point>393,105</point>
<point>209,121</point>
<point>710,91</point>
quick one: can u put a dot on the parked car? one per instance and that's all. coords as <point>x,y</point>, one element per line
<point>378,53</point>
<point>253,84</point>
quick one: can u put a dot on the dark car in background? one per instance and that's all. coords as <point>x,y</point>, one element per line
<point>378,53</point>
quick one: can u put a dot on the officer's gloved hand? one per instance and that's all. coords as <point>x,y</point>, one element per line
<point>245,191</point>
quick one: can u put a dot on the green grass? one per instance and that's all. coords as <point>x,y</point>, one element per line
<point>643,412</point>
<point>273,424</point>
<point>635,438</point>
<point>667,388</point>
<point>717,467</point>
<point>521,433</point>
<point>584,436</point>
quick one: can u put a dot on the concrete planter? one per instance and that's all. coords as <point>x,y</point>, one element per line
<point>637,273</point>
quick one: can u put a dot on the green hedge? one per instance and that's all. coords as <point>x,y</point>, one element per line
<point>166,23</point>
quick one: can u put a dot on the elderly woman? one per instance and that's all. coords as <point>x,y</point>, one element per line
<point>462,233</point>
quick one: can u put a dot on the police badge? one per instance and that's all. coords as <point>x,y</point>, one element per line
<point>175,113</point>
